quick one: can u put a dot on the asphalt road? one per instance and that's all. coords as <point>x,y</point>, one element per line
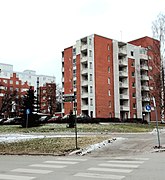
<point>131,158</point>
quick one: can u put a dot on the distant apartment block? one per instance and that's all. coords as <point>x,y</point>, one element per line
<point>110,78</point>
<point>20,82</point>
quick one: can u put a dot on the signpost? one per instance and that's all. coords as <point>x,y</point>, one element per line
<point>148,108</point>
<point>27,113</point>
<point>71,98</point>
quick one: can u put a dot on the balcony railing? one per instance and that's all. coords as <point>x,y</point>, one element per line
<point>124,108</point>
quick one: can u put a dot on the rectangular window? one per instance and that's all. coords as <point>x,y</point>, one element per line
<point>91,89</point>
<point>90,77</point>
<point>134,105</point>
<point>131,53</point>
<point>90,65</point>
<point>108,47</point>
<point>91,102</point>
<point>133,94</point>
<point>133,64</point>
<point>11,81</point>
<point>17,82</point>
<point>90,41</point>
<point>108,58</point>
<point>108,69</point>
<point>109,93</point>
<point>133,84</point>
<point>90,53</point>
<point>133,74</point>
<point>109,81</point>
<point>110,104</point>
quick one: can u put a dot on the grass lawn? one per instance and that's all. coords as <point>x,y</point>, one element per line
<point>61,146</point>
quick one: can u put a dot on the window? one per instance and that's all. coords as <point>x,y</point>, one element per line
<point>134,105</point>
<point>17,82</point>
<point>108,58</point>
<point>108,47</point>
<point>91,102</point>
<point>74,61</point>
<point>133,84</point>
<point>109,81</point>
<point>133,64</point>
<point>109,93</point>
<point>11,81</point>
<point>90,53</point>
<point>108,69</point>
<point>74,51</point>
<point>91,89</point>
<point>133,94</point>
<point>110,104</point>
<point>90,77</point>
<point>133,74</point>
<point>90,41</point>
<point>90,65</point>
<point>132,53</point>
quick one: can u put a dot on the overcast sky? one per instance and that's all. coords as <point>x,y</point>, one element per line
<point>33,33</point>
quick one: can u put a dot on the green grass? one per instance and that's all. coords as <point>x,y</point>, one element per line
<point>55,128</point>
<point>62,146</point>
<point>51,146</point>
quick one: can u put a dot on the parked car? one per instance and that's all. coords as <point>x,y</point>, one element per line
<point>53,119</point>
<point>13,121</point>
<point>2,120</point>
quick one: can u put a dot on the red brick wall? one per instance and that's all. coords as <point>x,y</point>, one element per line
<point>101,54</point>
<point>154,62</point>
<point>68,77</point>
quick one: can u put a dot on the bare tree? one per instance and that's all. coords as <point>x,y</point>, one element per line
<point>158,29</point>
<point>58,98</point>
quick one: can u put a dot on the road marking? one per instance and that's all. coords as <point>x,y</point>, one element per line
<point>37,171</point>
<point>71,159</point>
<point>120,165</point>
<point>128,162</point>
<point>60,162</point>
<point>47,165</point>
<point>130,158</point>
<point>111,170</point>
<point>12,177</point>
<point>100,176</point>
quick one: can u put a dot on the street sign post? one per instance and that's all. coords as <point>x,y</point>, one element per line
<point>71,98</point>
<point>148,108</point>
<point>27,114</point>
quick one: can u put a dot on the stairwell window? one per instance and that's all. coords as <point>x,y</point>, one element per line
<point>109,69</point>
<point>108,58</point>
<point>109,92</point>
<point>91,102</point>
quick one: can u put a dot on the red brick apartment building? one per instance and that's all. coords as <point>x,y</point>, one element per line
<point>110,78</point>
<point>47,95</point>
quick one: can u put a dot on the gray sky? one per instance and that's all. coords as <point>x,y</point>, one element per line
<point>33,33</point>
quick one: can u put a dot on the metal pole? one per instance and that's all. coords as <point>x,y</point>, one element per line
<point>75,124</point>
<point>27,121</point>
<point>156,113</point>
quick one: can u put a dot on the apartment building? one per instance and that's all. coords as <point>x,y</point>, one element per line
<point>109,78</point>
<point>11,81</point>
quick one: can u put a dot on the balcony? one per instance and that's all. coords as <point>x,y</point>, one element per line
<point>124,108</point>
<point>84,107</point>
<point>144,67</point>
<point>84,59</point>
<point>84,83</point>
<point>122,51</point>
<point>124,96</point>
<point>123,62</point>
<point>84,47</point>
<point>146,99</point>
<point>84,71</point>
<point>144,78</point>
<point>144,56</point>
<point>145,88</point>
<point>123,85</point>
<point>123,74</point>
<point>84,95</point>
